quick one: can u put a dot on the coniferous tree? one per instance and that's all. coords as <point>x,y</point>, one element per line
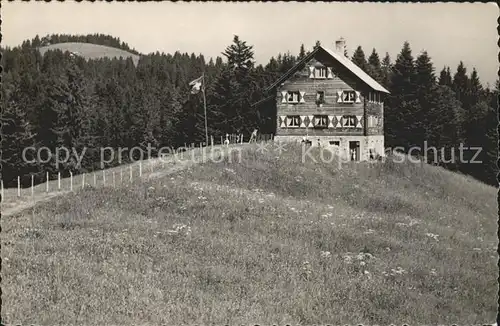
<point>386,71</point>
<point>302,52</point>
<point>374,67</point>
<point>359,59</point>
<point>402,102</point>
<point>17,135</point>
<point>460,84</point>
<point>445,77</point>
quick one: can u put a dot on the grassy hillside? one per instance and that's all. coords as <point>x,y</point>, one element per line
<point>91,51</point>
<point>268,240</point>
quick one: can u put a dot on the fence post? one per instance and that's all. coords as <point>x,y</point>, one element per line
<point>221,140</point>
<point>83,180</point>
<point>114,184</point>
<point>103,177</point>
<point>212,141</point>
<point>18,186</point>
<point>151,165</point>
<point>70,181</point>
<point>32,185</point>
<point>241,139</point>
<point>121,175</point>
<point>140,168</point>
<point>95,179</point>
<point>1,185</point>
<point>130,172</point>
<point>58,180</point>
<point>47,183</point>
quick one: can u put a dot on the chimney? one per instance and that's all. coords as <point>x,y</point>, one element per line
<point>340,46</point>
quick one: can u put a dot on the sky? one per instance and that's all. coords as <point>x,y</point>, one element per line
<point>449,32</point>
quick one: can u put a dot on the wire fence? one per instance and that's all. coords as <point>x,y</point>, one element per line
<point>114,176</point>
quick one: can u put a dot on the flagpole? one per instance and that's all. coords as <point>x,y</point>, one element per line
<point>205,107</point>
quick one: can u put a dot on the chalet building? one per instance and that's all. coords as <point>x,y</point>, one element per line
<point>327,100</point>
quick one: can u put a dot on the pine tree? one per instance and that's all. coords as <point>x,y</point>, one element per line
<point>460,84</point>
<point>402,104</point>
<point>375,67</point>
<point>359,59</point>
<point>17,135</point>
<point>445,77</point>
<point>386,71</point>
<point>302,52</point>
<point>425,87</point>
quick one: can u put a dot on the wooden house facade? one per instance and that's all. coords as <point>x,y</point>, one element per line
<point>326,100</point>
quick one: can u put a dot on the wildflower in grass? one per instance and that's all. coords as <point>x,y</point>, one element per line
<point>306,270</point>
<point>397,271</point>
<point>433,236</point>
<point>151,188</point>
<point>433,272</point>
<point>369,231</point>
<point>180,229</point>
<point>327,215</point>
<point>325,254</point>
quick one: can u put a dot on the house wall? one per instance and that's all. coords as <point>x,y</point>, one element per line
<point>368,108</point>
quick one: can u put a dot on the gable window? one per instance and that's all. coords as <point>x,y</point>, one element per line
<point>320,121</point>
<point>348,96</point>
<point>349,121</point>
<point>320,72</point>
<point>320,98</point>
<point>293,96</point>
<point>293,121</point>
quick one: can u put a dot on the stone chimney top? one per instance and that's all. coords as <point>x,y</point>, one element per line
<point>340,46</point>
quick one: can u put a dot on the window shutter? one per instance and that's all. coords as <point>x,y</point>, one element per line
<point>329,73</point>
<point>311,72</point>
<point>283,96</point>
<point>339,97</point>
<point>302,100</point>
<point>339,121</point>
<point>358,97</point>
<point>359,125</point>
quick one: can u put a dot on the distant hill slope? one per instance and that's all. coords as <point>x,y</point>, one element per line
<point>91,51</point>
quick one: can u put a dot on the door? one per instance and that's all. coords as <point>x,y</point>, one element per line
<point>354,150</point>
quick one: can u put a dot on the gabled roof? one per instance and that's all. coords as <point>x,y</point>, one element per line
<point>351,66</point>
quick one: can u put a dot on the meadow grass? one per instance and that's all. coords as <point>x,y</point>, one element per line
<point>266,240</point>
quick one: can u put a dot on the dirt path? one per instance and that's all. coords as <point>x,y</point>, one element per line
<point>153,168</point>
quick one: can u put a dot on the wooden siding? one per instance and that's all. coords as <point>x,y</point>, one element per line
<point>342,81</point>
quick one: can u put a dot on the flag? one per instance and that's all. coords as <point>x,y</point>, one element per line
<point>196,85</point>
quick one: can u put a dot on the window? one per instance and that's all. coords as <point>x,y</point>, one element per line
<point>293,121</point>
<point>320,72</point>
<point>293,97</point>
<point>320,97</point>
<point>348,96</point>
<point>349,121</point>
<point>335,142</point>
<point>373,121</point>
<point>321,121</point>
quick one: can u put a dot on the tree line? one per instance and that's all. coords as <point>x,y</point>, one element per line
<point>59,99</point>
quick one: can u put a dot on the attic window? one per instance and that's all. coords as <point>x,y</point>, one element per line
<point>320,73</point>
